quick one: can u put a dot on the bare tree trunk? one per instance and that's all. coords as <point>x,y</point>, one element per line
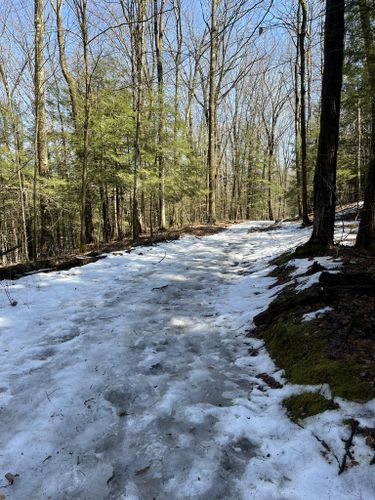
<point>302,36</point>
<point>39,77</point>
<point>177,10</point>
<point>212,116</point>
<point>366,233</point>
<point>310,67</point>
<point>138,41</point>
<point>86,216</point>
<point>80,129</point>
<point>269,176</point>
<point>72,87</point>
<point>359,152</point>
<point>297,111</point>
<point>41,145</point>
<point>106,223</point>
<point>158,40</point>
<point>325,171</point>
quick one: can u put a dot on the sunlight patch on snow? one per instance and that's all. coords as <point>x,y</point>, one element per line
<point>181,322</point>
<point>346,232</point>
<point>4,322</point>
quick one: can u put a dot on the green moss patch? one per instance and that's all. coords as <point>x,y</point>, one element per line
<point>301,348</point>
<point>307,404</point>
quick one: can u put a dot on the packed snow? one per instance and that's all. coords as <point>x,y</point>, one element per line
<point>131,378</point>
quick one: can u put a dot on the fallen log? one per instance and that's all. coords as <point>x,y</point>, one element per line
<point>18,270</point>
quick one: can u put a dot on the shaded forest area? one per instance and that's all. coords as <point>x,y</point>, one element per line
<point>132,117</point>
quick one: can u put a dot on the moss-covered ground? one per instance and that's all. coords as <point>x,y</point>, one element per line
<point>305,405</point>
<point>301,348</point>
<point>337,348</point>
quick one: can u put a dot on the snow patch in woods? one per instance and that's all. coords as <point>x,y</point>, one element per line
<point>315,314</point>
<point>131,378</point>
<point>346,232</point>
<point>304,265</point>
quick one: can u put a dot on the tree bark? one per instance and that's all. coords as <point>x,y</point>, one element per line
<point>269,176</point>
<point>366,232</point>
<point>81,128</point>
<point>39,84</point>
<point>303,129</point>
<point>325,170</point>
<point>41,144</point>
<point>297,112</point>
<point>70,81</point>
<point>359,152</point>
<point>86,228</point>
<point>212,116</point>
<point>138,52</point>
<point>158,40</point>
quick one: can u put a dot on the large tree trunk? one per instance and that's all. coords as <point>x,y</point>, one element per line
<point>325,171</point>
<point>303,129</point>
<point>86,228</point>
<point>80,129</point>
<point>158,40</point>
<point>297,112</point>
<point>269,176</point>
<point>39,84</point>
<point>366,233</point>
<point>212,117</point>
<point>137,63</point>
<point>41,145</point>
<point>359,152</point>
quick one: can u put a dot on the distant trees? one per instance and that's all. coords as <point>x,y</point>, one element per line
<point>122,118</point>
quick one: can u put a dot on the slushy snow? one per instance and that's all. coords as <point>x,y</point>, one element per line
<point>130,378</point>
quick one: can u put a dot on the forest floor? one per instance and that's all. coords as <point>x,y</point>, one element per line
<point>136,377</point>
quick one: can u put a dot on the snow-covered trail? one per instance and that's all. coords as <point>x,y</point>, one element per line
<point>130,378</point>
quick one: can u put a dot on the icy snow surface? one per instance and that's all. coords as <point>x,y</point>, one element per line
<point>130,378</point>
